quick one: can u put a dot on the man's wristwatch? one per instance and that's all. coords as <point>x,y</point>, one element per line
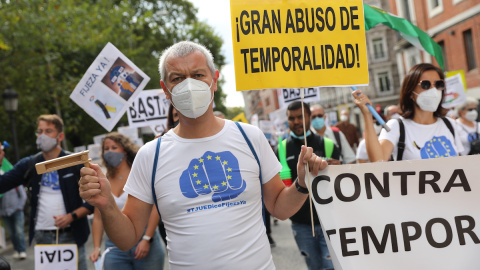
<point>74,216</point>
<point>300,188</point>
<point>148,238</point>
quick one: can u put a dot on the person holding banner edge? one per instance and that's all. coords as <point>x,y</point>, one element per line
<point>312,248</point>
<point>55,204</point>
<point>427,133</point>
<point>205,231</point>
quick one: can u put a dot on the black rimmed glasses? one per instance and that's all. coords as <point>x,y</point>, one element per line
<point>425,85</point>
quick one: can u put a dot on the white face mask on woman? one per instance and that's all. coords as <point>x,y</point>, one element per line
<point>471,115</point>
<point>429,100</point>
<point>191,97</point>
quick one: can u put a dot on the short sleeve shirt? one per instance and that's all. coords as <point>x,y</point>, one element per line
<point>424,141</point>
<point>209,196</point>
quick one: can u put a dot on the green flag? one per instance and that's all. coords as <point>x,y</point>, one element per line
<point>410,32</point>
<point>6,166</point>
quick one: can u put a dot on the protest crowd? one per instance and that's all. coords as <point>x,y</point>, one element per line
<point>207,190</point>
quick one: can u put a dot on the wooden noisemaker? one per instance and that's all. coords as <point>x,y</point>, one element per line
<point>63,162</point>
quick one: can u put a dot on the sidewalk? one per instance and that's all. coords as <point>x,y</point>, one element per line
<point>285,254</point>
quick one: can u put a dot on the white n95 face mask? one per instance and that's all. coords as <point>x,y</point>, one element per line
<point>429,100</point>
<point>471,115</point>
<point>191,97</point>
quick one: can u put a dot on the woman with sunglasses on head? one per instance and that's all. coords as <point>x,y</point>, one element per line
<point>427,133</point>
<point>118,153</point>
<point>469,128</point>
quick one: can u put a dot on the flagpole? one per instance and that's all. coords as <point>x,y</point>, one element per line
<point>307,171</point>
<point>374,113</point>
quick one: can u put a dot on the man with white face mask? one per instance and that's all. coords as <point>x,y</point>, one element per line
<point>55,203</point>
<point>469,130</point>
<point>206,179</point>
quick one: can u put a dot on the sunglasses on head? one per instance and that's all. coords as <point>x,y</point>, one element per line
<point>440,84</point>
<point>317,115</point>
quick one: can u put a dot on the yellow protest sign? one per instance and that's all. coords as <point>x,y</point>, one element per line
<point>241,118</point>
<point>298,43</point>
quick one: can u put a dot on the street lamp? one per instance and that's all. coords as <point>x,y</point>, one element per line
<point>10,101</point>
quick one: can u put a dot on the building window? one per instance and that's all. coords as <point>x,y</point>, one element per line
<point>413,60</point>
<point>469,49</point>
<point>267,102</point>
<point>378,49</point>
<point>445,62</point>
<point>435,7</point>
<point>412,57</point>
<point>384,82</point>
<point>406,10</point>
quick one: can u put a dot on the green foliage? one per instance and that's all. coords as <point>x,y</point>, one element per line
<point>46,47</point>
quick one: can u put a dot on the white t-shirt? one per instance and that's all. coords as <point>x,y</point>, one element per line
<point>209,196</point>
<point>424,141</point>
<point>50,202</point>
<point>347,155</point>
<point>121,200</point>
<point>466,134</point>
<point>362,151</point>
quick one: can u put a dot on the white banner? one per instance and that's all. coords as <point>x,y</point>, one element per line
<point>150,108</point>
<point>289,95</point>
<point>159,129</point>
<point>454,91</point>
<point>63,256</point>
<point>279,120</point>
<point>266,127</point>
<point>110,84</point>
<point>420,214</point>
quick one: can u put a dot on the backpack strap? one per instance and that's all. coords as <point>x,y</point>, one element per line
<point>31,166</point>
<point>258,162</point>
<point>449,125</point>
<point>401,140</point>
<point>155,161</point>
<point>476,130</point>
<point>336,133</point>
<point>328,145</point>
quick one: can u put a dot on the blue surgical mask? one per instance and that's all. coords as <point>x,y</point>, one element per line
<point>299,137</point>
<point>318,123</point>
<point>113,158</point>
